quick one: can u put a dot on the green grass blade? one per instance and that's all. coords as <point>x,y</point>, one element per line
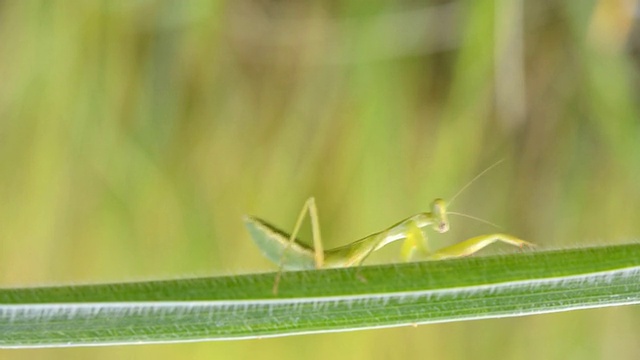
<point>320,301</point>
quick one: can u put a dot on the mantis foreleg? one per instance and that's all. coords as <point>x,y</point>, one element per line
<point>415,239</point>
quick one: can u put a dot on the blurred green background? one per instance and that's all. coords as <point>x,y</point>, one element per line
<point>135,134</point>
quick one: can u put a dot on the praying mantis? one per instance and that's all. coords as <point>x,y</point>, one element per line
<point>290,254</point>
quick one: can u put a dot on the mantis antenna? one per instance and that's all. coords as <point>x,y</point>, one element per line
<point>474,218</point>
<point>473,180</point>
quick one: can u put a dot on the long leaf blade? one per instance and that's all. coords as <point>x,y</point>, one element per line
<point>322,300</point>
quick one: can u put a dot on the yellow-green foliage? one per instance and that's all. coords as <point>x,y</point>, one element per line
<point>135,134</point>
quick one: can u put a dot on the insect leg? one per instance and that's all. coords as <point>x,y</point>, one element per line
<point>310,206</point>
<point>475,244</point>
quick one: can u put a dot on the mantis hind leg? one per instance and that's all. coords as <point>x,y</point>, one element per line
<point>471,246</point>
<point>310,207</point>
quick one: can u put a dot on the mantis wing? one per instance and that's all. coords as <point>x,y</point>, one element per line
<point>272,242</point>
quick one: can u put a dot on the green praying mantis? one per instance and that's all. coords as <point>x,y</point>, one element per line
<point>290,254</point>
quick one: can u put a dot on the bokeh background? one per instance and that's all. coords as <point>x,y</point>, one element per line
<point>134,135</point>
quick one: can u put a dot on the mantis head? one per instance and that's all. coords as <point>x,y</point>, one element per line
<point>439,213</point>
